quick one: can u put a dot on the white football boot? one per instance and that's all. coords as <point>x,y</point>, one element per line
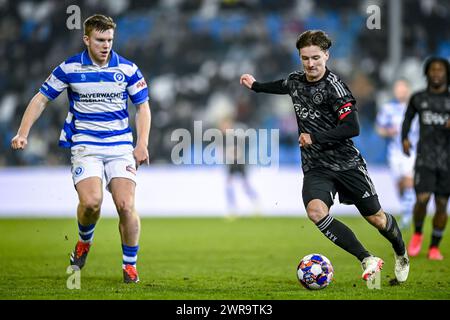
<point>401,267</point>
<point>371,265</point>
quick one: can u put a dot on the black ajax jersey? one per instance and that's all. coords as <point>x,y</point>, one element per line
<point>318,107</point>
<point>433,147</point>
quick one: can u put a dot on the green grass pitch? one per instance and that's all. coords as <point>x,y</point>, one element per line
<point>207,259</point>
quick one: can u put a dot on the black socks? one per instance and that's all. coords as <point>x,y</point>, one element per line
<point>342,236</point>
<point>436,237</point>
<point>393,234</point>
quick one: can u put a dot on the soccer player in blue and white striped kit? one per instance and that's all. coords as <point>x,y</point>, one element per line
<point>98,83</point>
<point>389,125</point>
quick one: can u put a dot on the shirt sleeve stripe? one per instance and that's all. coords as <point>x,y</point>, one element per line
<point>49,92</point>
<point>133,79</point>
<point>340,90</point>
<point>60,75</point>
<point>140,97</point>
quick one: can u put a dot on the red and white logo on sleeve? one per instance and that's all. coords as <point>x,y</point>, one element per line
<point>344,111</point>
<point>141,84</point>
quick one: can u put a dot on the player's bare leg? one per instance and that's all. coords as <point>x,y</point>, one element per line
<point>378,220</point>
<point>231,214</point>
<point>123,193</point>
<point>420,212</point>
<point>407,199</point>
<point>439,223</point>
<point>253,196</point>
<point>387,226</point>
<point>317,210</point>
<point>90,197</point>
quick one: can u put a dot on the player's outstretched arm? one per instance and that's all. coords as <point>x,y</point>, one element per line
<point>31,114</point>
<point>247,80</point>
<point>276,87</point>
<point>143,123</point>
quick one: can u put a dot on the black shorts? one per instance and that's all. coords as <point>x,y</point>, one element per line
<point>435,181</point>
<point>236,168</point>
<point>354,186</point>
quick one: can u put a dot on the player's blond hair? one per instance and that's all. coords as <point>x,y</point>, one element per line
<point>98,22</point>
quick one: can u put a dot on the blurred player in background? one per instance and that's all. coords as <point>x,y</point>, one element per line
<point>234,151</point>
<point>327,119</point>
<point>432,168</point>
<point>98,83</point>
<point>389,125</point>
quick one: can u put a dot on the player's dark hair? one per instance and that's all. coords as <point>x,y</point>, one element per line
<point>98,22</point>
<point>433,59</point>
<point>313,38</point>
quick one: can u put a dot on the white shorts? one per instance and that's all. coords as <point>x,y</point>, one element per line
<point>401,165</point>
<point>103,162</point>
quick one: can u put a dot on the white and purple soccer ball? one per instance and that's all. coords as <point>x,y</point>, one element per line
<point>315,271</point>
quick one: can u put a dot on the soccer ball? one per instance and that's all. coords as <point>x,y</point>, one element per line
<point>315,271</point>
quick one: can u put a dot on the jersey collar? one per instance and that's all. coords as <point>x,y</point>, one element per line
<point>113,61</point>
<point>325,76</point>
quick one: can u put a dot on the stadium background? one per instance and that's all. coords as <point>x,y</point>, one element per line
<point>192,54</point>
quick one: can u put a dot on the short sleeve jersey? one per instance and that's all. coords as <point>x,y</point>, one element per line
<point>98,96</point>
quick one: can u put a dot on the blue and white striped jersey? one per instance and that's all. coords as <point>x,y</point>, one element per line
<point>98,96</point>
<point>390,115</point>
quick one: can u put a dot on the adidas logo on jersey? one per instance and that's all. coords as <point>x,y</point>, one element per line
<point>366,195</point>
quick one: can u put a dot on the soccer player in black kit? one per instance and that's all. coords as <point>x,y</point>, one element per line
<point>432,167</point>
<point>327,119</point>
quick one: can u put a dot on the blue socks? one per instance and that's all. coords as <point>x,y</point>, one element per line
<point>129,255</point>
<point>407,201</point>
<point>86,233</point>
